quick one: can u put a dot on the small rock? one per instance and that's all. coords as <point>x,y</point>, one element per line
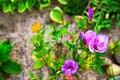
<point>117,78</point>
<point>113,69</point>
<point>107,60</point>
<point>117,58</point>
<point>46,17</point>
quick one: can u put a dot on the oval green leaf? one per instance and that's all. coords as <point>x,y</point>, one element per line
<point>11,67</point>
<point>12,7</point>
<point>56,15</point>
<point>5,7</point>
<point>4,51</point>
<point>64,2</point>
<point>29,4</point>
<point>21,7</point>
<point>38,64</point>
<point>44,3</point>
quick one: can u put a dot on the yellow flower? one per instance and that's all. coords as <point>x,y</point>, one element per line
<point>112,45</point>
<point>36,27</point>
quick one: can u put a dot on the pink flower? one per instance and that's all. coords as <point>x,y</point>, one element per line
<point>96,43</point>
<point>90,14</point>
<point>99,44</point>
<point>70,67</point>
<point>87,36</point>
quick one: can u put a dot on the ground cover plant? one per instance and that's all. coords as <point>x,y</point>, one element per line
<point>7,65</point>
<point>22,5</point>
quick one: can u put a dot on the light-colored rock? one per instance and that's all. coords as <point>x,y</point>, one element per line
<point>117,57</point>
<point>117,78</point>
<point>113,69</point>
<point>46,17</point>
<point>107,60</point>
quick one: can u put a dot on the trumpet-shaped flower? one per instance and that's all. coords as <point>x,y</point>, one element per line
<point>96,43</point>
<point>87,36</point>
<point>70,67</point>
<point>90,14</point>
<point>99,44</point>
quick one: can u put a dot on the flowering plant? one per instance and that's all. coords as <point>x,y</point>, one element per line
<point>81,51</point>
<point>97,45</point>
<point>68,57</point>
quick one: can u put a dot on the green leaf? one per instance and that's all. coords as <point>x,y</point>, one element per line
<point>56,15</point>
<point>4,57</point>
<point>41,77</point>
<point>67,44</point>
<point>11,67</point>
<point>106,21</point>
<point>64,2</point>
<point>101,54</point>
<point>38,64</point>
<point>50,60</point>
<point>29,4</point>
<point>77,19</point>
<point>12,7</point>
<point>68,55</point>
<point>21,7</point>
<point>44,3</point>
<point>38,56</point>
<point>32,75</point>
<point>118,23</point>
<point>97,14</point>
<point>98,28</point>
<point>100,70</point>
<point>51,77</point>
<point>6,42</point>
<point>1,76</point>
<point>81,23</point>
<point>117,44</point>
<point>4,51</point>
<point>5,7</point>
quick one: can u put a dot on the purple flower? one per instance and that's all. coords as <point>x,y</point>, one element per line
<point>70,67</point>
<point>90,14</point>
<point>96,43</point>
<point>99,44</point>
<point>87,36</point>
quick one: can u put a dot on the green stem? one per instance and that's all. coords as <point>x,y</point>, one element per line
<point>74,52</point>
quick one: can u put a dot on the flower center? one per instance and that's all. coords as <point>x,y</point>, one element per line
<point>95,47</point>
<point>70,67</point>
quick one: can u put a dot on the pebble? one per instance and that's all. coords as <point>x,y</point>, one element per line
<point>117,58</point>
<point>107,60</point>
<point>113,69</point>
<point>117,78</point>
